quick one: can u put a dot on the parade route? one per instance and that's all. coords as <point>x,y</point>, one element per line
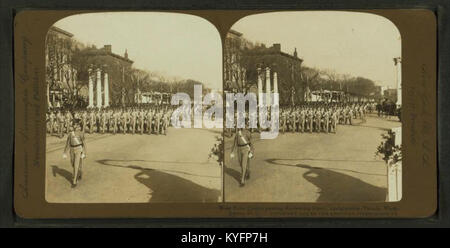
<point>317,167</point>
<point>137,168</point>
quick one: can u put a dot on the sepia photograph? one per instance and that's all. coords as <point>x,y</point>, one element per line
<point>224,114</point>
<point>113,133</point>
<point>332,83</point>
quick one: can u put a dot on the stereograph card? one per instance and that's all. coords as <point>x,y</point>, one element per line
<point>247,114</point>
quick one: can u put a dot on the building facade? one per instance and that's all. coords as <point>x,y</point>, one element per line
<point>109,77</point>
<point>61,75</point>
<point>274,65</point>
<point>257,68</point>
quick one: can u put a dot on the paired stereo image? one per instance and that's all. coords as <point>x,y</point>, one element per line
<point>157,107</point>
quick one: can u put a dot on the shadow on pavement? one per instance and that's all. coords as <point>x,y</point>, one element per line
<point>169,188</point>
<point>338,187</point>
<point>165,187</point>
<point>62,172</point>
<point>233,173</point>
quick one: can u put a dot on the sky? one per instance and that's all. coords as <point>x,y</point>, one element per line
<point>176,45</point>
<point>358,44</point>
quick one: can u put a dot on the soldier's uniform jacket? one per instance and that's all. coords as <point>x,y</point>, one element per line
<point>317,116</point>
<point>84,118</point>
<point>293,117</point>
<point>98,117</point>
<point>326,116</point>
<point>52,117</point>
<point>141,116</point>
<point>151,117</point>
<point>124,118</point>
<point>68,117</point>
<point>75,139</point>
<point>92,118</point>
<point>60,117</point>
<point>133,117</point>
<point>243,140</point>
<point>103,118</point>
<point>115,119</point>
<point>302,115</point>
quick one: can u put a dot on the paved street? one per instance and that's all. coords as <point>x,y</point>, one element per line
<point>138,168</point>
<point>313,167</point>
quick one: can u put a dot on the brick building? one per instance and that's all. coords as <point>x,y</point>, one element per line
<point>245,62</point>
<point>61,74</point>
<point>108,75</point>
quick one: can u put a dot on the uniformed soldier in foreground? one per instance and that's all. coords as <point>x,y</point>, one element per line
<point>76,146</point>
<point>243,144</point>
<point>60,120</point>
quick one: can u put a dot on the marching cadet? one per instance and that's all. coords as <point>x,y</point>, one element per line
<point>91,121</point>
<point>118,114</point>
<point>288,121</point>
<point>283,121</point>
<point>76,145</point>
<point>60,120</point>
<point>166,122</point>
<point>326,120</point>
<point>141,118</point>
<point>103,122</point>
<point>334,120</point>
<point>76,116</point>
<point>84,121</point>
<point>317,118</point>
<point>162,124</point>
<point>253,115</point>
<point>301,120</point>
<point>361,113</point>
<point>243,144</point>
<point>108,120</point>
<point>52,120</point>
<point>133,121</point>
<point>68,121</point>
<point>310,120</point>
<point>124,120</point>
<point>157,122</point>
<point>98,118</point>
<point>149,120</point>
<point>348,116</point>
<point>293,121</point>
<point>341,116</point>
<point>114,121</point>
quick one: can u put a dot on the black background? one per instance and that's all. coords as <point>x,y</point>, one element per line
<point>8,8</point>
